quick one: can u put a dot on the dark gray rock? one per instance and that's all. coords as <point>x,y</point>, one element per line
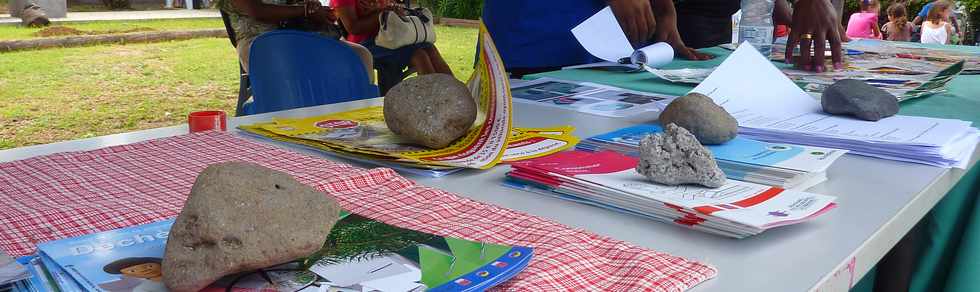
<point>675,157</point>
<point>858,99</point>
<point>241,217</point>
<point>431,110</point>
<point>697,113</point>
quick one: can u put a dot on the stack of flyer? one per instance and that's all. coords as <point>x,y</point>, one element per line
<point>379,257</point>
<point>770,107</point>
<point>783,165</point>
<point>609,180</point>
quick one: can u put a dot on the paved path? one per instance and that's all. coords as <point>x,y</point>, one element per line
<point>125,15</point>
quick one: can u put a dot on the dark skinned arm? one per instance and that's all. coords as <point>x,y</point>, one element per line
<point>358,25</point>
<point>266,12</point>
<point>782,13</point>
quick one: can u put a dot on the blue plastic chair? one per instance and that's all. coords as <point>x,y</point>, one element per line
<point>291,69</point>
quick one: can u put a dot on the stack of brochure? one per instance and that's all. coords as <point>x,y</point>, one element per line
<point>13,274</point>
<point>770,107</point>
<point>609,180</point>
<point>379,258</point>
<point>782,165</point>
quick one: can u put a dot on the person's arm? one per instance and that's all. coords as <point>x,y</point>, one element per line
<point>874,28</point>
<point>636,17</point>
<point>267,12</point>
<point>949,33</point>
<point>815,23</point>
<point>782,13</point>
<point>917,20</point>
<point>666,31</point>
<point>367,24</point>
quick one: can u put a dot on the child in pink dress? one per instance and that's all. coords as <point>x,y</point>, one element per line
<point>864,24</point>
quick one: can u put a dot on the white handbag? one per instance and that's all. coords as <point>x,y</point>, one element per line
<point>397,31</point>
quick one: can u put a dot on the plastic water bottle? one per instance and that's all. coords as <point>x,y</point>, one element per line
<point>756,26</point>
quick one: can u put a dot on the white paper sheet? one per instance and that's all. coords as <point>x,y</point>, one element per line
<point>602,36</point>
<point>759,96</point>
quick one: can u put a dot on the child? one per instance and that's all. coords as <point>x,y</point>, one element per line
<point>864,24</point>
<point>936,30</point>
<point>898,27</point>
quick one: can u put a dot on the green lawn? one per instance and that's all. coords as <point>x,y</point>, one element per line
<point>13,32</point>
<point>62,94</point>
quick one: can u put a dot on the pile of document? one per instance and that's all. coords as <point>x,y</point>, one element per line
<point>13,275</point>
<point>773,164</point>
<point>770,107</point>
<point>609,180</point>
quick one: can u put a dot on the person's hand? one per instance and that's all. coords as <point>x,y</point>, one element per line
<point>814,24</point>
<point>666,31</point>
<point>323,15</point>
<point>636,19</point>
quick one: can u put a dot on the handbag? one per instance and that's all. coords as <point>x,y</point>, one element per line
<point>414,27</point>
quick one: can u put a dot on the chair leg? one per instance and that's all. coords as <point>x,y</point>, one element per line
<point>244,92</point>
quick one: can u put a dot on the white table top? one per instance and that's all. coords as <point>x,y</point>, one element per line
<point>878,202</point>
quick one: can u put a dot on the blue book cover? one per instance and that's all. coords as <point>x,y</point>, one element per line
<point>738,150</point>
<point>377,257</point>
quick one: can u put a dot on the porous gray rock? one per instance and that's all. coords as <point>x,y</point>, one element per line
<point>858,99</point>
<point>241,217</point>
<point>431,110</point>
<point>697,113</point>
<point>675,157</point>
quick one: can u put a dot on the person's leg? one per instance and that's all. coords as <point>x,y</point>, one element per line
<point>420,61</point>
<point>366,58</point>
<point>438,63</point>
<point>243,48</point>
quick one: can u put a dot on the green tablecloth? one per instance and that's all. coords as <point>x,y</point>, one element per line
<point>950,255</point>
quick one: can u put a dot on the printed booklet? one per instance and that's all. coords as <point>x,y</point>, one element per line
<point>359,255</point>
<point>609,179</point>
<point>776,164</point>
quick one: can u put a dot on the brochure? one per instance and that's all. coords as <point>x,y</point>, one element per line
<point>737,209</point>
<point>589,98</point>
<point>359,254</point>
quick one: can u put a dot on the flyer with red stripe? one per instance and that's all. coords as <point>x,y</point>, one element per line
<point>610,178</point>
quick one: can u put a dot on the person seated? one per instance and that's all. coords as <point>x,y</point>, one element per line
<point>535,36</point>
<point>251,18</point>
<point>936,30</point>
<point>360,17</point>
<point>898,27</point>
<point>864,24</point>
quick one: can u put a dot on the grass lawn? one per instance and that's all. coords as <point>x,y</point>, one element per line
<point>69,93</point>
<point>14,32</point>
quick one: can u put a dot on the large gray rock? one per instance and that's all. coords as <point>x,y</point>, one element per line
<point>675,157</point>
<point>431,110</point>
<point>858,99</point>
<point>241,217</point>
<point>697,113</point>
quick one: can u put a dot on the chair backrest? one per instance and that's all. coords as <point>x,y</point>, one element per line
<point>290,69</point>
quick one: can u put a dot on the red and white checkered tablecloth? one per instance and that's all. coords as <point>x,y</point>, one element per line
<point>69,194</point>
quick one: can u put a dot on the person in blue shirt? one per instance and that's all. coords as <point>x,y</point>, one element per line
<point>922,13</point>
<point>535,36</point>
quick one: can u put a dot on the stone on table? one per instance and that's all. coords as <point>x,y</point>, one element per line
<point>856,98</point>
<point>241,217</point>
<point>675,157</point>
<point>697,113</point>
<point>431,110</point>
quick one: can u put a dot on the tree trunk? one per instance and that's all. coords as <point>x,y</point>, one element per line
<point>84,40</point>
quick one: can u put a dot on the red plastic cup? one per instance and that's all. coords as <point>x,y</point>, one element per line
<point>206,121</point>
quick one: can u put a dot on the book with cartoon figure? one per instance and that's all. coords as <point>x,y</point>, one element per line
<point>359,255</point>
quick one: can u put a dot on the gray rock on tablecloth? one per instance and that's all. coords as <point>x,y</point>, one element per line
<point>858,99</point>
<point>697,113</point>
<point>431,110</point>
<point>241,217</point>
<point>675,157</point>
